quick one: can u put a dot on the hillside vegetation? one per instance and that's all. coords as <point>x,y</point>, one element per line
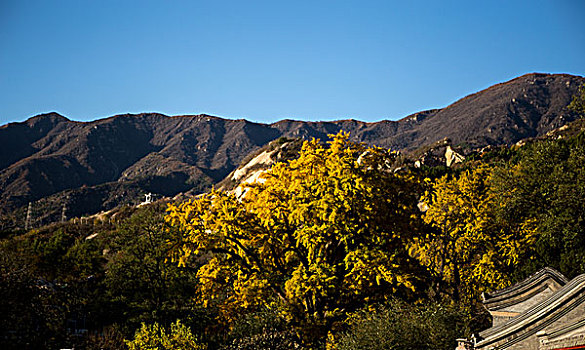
<point>329,251</point>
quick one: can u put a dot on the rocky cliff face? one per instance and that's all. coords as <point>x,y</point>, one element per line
<point>50,156</point>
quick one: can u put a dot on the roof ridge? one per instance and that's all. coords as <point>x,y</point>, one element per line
<point>536,312</point>
<point>547,271</point>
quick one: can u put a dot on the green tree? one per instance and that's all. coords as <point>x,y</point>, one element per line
<point>546,186</point>
<point>55,278</point>
<point>578,103</point>
<point>29,319</point>
<point>317,237</point>
<point>140,283</point>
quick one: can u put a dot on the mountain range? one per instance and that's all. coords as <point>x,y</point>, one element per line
<point>70,168</point>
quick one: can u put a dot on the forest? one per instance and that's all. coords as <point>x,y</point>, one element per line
<point>343,248</point>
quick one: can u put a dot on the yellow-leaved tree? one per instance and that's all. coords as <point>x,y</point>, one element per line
<point>319,236</point>
<point>468,249</point>
<point>156,337</point>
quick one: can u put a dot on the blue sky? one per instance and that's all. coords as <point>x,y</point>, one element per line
<point>270,60</point>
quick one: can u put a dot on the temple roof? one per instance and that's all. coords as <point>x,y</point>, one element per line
<point>528,323</point>
<point>546,278</point>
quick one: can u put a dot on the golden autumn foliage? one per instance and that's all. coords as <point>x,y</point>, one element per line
<point>156,337</point>
<point>316,237</point>
<point>469,250</point>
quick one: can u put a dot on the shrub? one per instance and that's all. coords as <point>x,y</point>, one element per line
<point>155,337</point>
<point>399,325</point>
<point>267,340</point>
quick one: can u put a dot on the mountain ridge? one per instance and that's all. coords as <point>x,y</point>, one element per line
<point>49,153</point>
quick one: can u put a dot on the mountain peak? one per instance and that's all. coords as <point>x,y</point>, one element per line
<point>53,116</point>
<point>45,121</point>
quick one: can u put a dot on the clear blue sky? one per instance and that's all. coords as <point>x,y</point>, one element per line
<point>270,60</point>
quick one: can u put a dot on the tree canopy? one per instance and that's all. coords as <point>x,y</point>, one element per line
<point>468,250</point>
<point>546,186</point>
<point>316,237</point>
